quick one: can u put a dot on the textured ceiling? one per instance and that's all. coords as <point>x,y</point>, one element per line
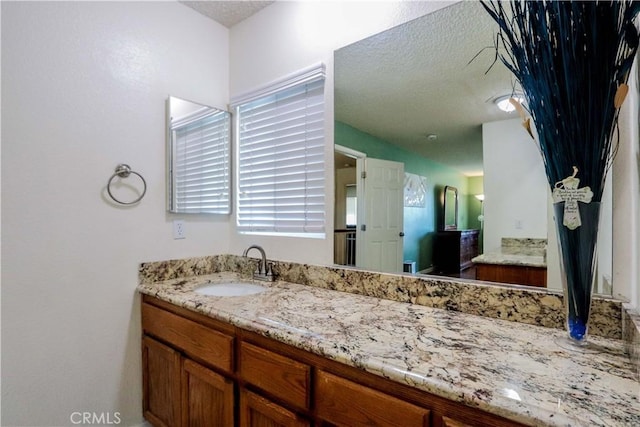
<point>416,79</point>
<point>227,13</point>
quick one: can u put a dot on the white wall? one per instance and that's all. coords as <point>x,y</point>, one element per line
<point>515,184</point>
<point>286,37</point>
<point>84,87</point>
<point>626,199</point>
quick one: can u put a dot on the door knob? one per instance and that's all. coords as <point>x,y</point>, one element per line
<point>401,234</point>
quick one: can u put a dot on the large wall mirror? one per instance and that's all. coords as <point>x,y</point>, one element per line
<point>198,158</point>
<point>424,94</point>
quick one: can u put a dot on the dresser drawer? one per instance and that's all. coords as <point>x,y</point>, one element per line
<point>345,403</point>
<point>277,375</point>
<point>194,339</point>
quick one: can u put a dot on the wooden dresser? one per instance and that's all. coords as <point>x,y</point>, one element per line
<point>454,249</point>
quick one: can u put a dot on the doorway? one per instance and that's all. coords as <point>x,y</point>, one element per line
<point>348,165</point>
<point>372,194</point>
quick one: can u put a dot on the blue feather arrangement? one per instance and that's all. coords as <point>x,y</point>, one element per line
<point>572,60</point>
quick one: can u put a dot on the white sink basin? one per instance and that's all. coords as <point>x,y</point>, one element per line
<point>229,289</point>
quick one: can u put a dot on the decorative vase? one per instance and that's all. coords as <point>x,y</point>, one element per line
<point>573,60</point>
<point>578,262</point>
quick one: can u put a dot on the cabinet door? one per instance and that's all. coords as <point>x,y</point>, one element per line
<point>207,398</point>
<point>161,383</point>
<point>256,411</point>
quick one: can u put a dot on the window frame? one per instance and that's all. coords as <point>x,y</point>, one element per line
<point>305,77</point>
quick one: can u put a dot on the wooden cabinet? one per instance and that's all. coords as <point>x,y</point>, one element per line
<point>180,392</point>
<point>453,250</point>
<point>516,274</point>
<point>199,372</point>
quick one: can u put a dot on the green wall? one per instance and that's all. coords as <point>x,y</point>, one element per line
<point>420,224</point>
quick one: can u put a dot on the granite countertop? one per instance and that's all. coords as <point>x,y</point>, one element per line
<point>514,255</point>
<point>509,369</point>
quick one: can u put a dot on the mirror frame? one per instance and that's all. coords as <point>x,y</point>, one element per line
<point>449,189</point>
<point>199,112</point>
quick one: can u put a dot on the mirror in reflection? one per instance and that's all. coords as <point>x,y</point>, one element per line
<point>420,94</point>
<point>450,208</point>
<point>198,158</point>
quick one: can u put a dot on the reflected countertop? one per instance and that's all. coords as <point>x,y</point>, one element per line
<point>514,255</point>
<point>509,369</point>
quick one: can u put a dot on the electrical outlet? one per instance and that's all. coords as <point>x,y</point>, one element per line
<point>178,229</point>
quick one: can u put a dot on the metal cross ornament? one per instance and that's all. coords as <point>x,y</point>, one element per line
<point>567,191</point>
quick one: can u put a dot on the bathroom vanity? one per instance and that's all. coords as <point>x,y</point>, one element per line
<point>517,261</point>
<point>197,370</point>
<point>298,354</point>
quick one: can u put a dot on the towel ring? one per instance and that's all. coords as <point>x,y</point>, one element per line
<point>123,171</point>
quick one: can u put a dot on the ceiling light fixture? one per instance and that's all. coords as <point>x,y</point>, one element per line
<point>504,104</point>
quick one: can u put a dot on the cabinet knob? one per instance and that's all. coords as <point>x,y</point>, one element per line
<point>401,234</point>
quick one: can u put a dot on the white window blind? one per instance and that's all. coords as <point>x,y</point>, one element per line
<point>201,163</point>
<point>281,182</point>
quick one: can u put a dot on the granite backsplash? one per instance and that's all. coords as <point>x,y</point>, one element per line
<point>515,303</point>
<point>631,335</point>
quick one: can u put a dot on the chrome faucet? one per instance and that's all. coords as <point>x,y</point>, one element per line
<point>264,271</point>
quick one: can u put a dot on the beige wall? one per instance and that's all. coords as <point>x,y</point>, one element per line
<point>84,87</point>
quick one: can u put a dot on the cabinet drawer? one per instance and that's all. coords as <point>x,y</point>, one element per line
<point>278,375</point>
<point>449,422</point>
<point>520,275</point>
<point>345,403</point>
<point>200,342</point>
<point>256,411</point>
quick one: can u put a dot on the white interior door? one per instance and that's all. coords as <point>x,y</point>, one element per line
<point>380,234</point>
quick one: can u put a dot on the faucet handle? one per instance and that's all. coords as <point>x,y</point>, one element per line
<point>258,264</point>
<point>270,271</point>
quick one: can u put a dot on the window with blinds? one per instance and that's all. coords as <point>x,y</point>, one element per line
<point>280,157</point>
<point>200,162</point>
